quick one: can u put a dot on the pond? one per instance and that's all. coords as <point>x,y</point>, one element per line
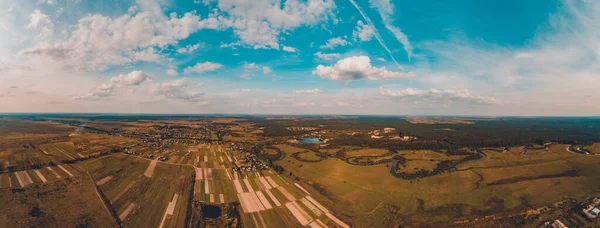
<point>211,211</point>
<point>311,140</point>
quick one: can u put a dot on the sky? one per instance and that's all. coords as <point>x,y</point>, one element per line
<point>373,57</point>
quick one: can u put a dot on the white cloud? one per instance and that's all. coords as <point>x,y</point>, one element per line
<point>357,68</point>
<point>327,56</point>
<point>267,70</point>
<point>135,78</point>
<point>363,31</point>
<point>172,72</point>
<point>308,91</point>
<point>102,91</point>
<point>99,41</point>
<point>258,23</point>
<point>189,48</point>
<point>250,66</point>
<point>436,96</point>
<point>386,11</point>
<point>203,67</point>
<point>49,2</point>
<point>41,22</point>
<point>289,49</point>
<point>304,104</point>
<point>177,90</point>
<point>148,55</point>
<point>334,42</point>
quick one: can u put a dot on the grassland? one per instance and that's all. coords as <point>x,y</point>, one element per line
<point>363,194</point>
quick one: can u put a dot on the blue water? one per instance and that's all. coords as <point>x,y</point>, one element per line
<point>311,140</point>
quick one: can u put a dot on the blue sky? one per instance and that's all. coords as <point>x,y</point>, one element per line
<point>509,57</point>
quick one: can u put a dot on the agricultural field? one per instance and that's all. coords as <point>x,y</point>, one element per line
<point>233,172</point>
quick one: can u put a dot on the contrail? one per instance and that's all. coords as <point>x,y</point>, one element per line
<point>377,35</point>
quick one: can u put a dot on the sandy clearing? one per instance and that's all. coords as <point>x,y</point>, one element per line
<point>229,158</point>
<point>297,213</point>
<point>287,194</point>
<point>264,182</point>
<point>199,174</point>
<point>9,182</point>
<point>247,183</point>
<point>205,158</point>
<point>37,171</point>
<point>263,200</point>
<point>80,155</point>
<point>54,172</point>
<point>337,221</point>
<point>272,182</point>
<point>126,211</point>
<point>212,198</point>
<point>222,198</point>
<point>45,152</point>
<point>238,186</point>
<point>114,199</point>
<point>313,201</point>
<point>221,159</point>
<point>66,171</point>
<point>206,187</point>
<point>312,207</point>
<point>150,170</point>
<point>104,180</point>
<point>301,188</point>
<point>277,203</point>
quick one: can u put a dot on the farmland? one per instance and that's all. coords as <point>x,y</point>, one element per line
<point>113,171</point>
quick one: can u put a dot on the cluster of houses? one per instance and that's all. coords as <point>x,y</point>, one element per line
<point>592,210</point>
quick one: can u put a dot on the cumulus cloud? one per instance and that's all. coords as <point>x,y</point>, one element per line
<point>172,72</point>
<point>188,48</point>
<point>363,31</point>
<point>357,68</point>
<point>41,22</point>
<point>267,70</point>
<point>289,49</point>
<point>327,56</point>
<point>135,78</point>
<point>250,66</point>
<point>99,41</point>
<point>258,23</point>
<point>177,90</point>
<point>434,95</point>
<point>203,67</point>
<point>308,91</point>
<point>102,91</point>
<point>334,42</point>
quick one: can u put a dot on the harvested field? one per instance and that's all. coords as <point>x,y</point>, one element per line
<point>126,212</point>
<point>298,213</point>
<point>337,221</point>
<point>37,171</point>
<point>301,188</point>
<point>54,172</point>
<point>272,182</point>
<point>65,170</point>
<point>150,171</point>
<point>263,200</point>
<point>104,180</point>
<point>286,194</point>
<point>238,186</point>
<point>273,198</point>
<point>222,198</point>
<point>248,186</point>
<point>118,196</point>
<point>23,178</point>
